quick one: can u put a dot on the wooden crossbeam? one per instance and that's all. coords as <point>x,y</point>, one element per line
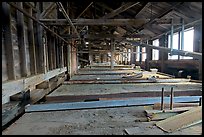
<point>112,22</point>
<point>120,9</point>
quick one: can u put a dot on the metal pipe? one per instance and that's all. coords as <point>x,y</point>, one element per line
<point>171,98</point>
<point>28,15</point>
<point>67,17</point>
<point>162,99</point>
<point>172,33</point>
<point>182,34</point>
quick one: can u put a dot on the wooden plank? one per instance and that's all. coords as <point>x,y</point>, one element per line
<point>36,95</point>
<point>181,120</point>
<point>118,96</point>
<point>104,104</point>
<point>21,41</point>
<point>166,105</point>
<point>126,80</point>
<point>6,26</point>
<point>10,111</point>
<point>13,87</point>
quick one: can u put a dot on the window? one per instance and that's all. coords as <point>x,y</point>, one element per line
<point>138,54</point>
<point>144,55</point>
<point>188,43</point>
<point>175,45</point>
<point>155,53</point>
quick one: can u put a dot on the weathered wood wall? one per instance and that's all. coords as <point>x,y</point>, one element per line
<point>30,54</point>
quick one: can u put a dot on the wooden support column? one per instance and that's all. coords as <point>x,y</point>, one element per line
<point>149,56</point>
<point>161,53</point>
<point>197,46</point>
<point>140,55</point>
<point>6,26</point>
<point>21,41</point>
<point>31,42</point>
<point>90,55</point>
<point>50,47</point>
<point>39,43</point>
<point>112,53</point>
<point>134,55</point>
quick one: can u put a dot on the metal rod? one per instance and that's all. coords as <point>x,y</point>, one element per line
<point>171,98</point>
<point>67,17</point>
<point>162,99</point>
<point>200,101</point>
<point>28,15</point>
<point>172,33</point>
<point>182,35</point>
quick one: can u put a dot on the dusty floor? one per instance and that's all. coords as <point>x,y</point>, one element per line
<point>107,121</point>
<point>91,89</point>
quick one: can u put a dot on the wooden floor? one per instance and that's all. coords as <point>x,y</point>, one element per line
<point>110,121</point>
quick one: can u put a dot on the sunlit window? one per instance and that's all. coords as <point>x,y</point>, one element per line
<point>188,43</point>
<point>155,53</point>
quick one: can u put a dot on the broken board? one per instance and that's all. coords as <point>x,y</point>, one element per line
<point>182,120</point>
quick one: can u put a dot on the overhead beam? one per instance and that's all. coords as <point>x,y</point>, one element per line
<point>164,49</point>
<point>112,22</point>
<point>48,10</point>
<point>84,10</point>
<point>121,9</point>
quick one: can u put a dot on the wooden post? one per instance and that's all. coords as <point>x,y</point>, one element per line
<point>50,47</point>
<point>197,46</point>
<point>31,42</point>
<point>161,53</point>
<point>149,55</point>
<point>162,99</point>
<point>39,43</point>
<point>90,55</point>
<point>21,41</point>
<point>6,26</point>
<point>112,53</point>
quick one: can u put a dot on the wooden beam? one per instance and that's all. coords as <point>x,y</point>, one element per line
<point>48,10</point>
<point>12,87</point>
<point>104,104</point>
<point>84,22</point>
<point>121,9</point>
<point>21,41</point>
<point>9,51</point>
<point>146,4</point>
<point>31,42</point>
<point>84,10</point>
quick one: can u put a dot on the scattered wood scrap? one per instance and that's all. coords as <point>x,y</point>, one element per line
<point>133,75</point>
<point>183,120</point>
<point>167,105</point>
